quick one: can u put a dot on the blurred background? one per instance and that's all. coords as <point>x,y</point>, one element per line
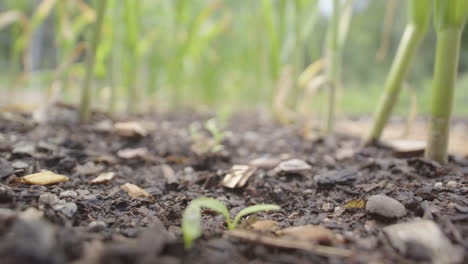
<point>205,53</point>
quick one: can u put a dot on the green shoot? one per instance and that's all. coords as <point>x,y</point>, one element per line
<point>450,19</point>
<point>419,16</point>
<point>191,220</point>
<point>85,106</point>
<point>213,144</point>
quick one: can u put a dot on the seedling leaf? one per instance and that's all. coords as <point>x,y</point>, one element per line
<point>191,224</point>
<point>191,221</point>
<point>254,209</point>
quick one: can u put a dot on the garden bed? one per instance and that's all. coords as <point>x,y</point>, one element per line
<point>82,222</point>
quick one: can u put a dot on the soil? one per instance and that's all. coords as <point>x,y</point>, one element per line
<point>103,224</point>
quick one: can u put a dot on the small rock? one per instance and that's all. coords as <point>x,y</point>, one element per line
<point>327,207</point>
<point>68,209</point>
<point>342,177</point>
<point>49,199</point>
<point>293,166</point>
<point>5,169</point>
<point>24,148</point>
<point>6,194</point>
<point>438,185</point>
<point>385,206</point>
<point>82,193</point>
<point>452,184</point>
<point>68,194</point>
<point>425,237</point>
<point>20,165</point>
<point>96,226</point>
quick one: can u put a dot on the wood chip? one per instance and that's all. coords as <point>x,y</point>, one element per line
<point>43,178</point>
<point>404,148</point>
<point>103,178</point>
<point>133,153</point>
<point>134,191</point>
<point>238,176</point>
<point>288,243</point>
<point>319,234</point>
<point>264,225</point>
<point>168,174</point>
<point>130,129</point>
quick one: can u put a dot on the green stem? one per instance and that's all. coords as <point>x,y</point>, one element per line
<point>85,109</point>
<point>445,74</point>
<point>333,70</point>
<point>409,43</point>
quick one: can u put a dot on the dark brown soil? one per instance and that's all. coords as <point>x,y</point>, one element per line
<point>147,230</point>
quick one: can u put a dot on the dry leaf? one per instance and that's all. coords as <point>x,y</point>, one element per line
<point>132,128</point>
<point>264,225</point>
<point>358,204</point>
<point>315,233</point>
<point>133,153</point>
<point>238,176</point>
<point>288,243</point>
<point>43,178</point>
<point>103,178</point>
<point>134,191</point>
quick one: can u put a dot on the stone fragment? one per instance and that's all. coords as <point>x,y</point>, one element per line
<point>426,239</point>
<point>68,209</point>
<point>293,166</point>
<point>20,165</point>
<point>96,226</point>
<point>342,177</point>
<point>452,184</point>
<point>385,206</point>
<point>68,194</point>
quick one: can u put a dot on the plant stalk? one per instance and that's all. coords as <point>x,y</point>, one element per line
<point>333,67</point>
<point>85,105</point>
<point>409,43</point>
<point>445,75</point>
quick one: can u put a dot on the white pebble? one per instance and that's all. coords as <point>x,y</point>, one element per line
<point>452,184</point>
<point>438,185</point>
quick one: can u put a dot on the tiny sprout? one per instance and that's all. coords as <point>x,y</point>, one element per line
<point>191,220</point>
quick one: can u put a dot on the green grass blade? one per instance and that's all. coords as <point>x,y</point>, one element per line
<point>254,209</point>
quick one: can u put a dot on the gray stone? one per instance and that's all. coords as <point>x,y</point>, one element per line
<point>24,148</point>
<point>49,199</point>
<point>293,166</point>
<point>425,237</point>
<point>6,194</point>
<point>68,209</point>
<point>5,168</point>
<point>96,226</point>
<point>20,165</point>
<point>68,194</point>
<point>385,206</point>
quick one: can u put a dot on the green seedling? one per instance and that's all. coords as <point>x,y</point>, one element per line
<point>212,144</point>
<point>191,220</point>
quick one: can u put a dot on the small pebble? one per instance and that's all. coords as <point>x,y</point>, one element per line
<point>385,206</point>
<point>68,194</point>
<point>452,184</point>
<point>68,209</point>
<point>20,165</point>
<point>96,226</point>
<point>6,194</point>
<point>438,185</point>
<point>49,199</point>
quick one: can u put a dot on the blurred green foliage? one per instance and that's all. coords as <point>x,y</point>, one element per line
<point>176,53</point>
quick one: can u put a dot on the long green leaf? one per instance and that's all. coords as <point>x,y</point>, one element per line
<point>254,209</point>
